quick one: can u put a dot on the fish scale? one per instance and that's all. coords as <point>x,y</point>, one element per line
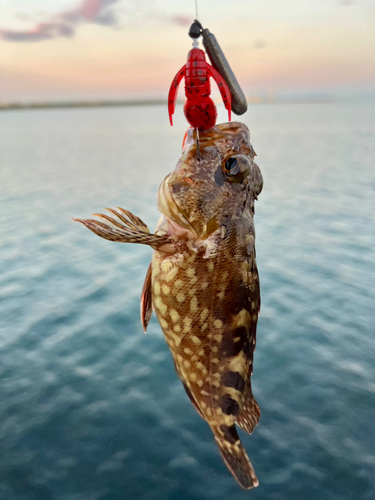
<point>203,281</point>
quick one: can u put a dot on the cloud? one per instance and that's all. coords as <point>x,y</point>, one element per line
<point>181,20</point>
<point>65,23</point>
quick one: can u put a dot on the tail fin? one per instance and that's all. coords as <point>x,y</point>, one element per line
<point>235,457</point>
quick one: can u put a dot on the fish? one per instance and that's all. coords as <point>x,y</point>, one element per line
<point>203,282</point>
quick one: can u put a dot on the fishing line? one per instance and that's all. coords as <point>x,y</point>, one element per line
<point>197,138</point>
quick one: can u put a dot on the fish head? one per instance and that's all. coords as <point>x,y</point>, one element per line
<point>208,185</point>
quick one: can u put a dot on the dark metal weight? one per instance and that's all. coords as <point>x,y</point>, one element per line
<point>220,63</point>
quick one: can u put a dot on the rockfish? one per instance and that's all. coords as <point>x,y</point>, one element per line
<point>203,281</point>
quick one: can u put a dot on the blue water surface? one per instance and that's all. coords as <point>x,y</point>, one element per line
<point>90,407</point>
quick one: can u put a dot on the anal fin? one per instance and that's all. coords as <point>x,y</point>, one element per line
<point>146,300</point>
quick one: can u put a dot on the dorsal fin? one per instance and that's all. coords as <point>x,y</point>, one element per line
<point>146,300</point>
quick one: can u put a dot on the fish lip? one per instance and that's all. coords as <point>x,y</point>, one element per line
<point>168,207</point>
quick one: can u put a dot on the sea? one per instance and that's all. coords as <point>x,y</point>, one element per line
<point>90,406</point>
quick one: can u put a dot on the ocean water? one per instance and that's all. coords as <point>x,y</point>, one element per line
<point>90,407</point>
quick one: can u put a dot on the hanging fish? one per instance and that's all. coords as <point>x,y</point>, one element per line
<point>203,281</point>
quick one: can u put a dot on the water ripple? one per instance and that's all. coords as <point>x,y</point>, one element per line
<point>90,407</point>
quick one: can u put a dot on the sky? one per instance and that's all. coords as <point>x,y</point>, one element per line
<point>122,49</point>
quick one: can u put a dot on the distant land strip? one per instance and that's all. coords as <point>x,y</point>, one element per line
<point>80,104</point>
<point>144,102</point>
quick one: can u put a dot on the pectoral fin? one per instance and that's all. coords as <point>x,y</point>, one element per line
<point>146,300</point>
<point>127,228</point>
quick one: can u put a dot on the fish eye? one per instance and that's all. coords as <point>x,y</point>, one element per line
<point>231,164</point>
<point>236,168</point>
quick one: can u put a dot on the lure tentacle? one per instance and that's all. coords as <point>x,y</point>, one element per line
<point>223,88</point>
<point>172,96</point>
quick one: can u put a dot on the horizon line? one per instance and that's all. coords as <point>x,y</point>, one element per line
<point>255,99</point>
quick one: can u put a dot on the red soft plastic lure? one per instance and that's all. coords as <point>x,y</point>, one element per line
<point>199,109</point>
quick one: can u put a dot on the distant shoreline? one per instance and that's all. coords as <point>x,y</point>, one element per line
<point>80,104</point>
<point>151,102</point>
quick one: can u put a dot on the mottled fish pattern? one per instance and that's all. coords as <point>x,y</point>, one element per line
<point>203,281</point>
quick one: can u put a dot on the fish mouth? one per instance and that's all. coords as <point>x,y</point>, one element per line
<point>168,207</point>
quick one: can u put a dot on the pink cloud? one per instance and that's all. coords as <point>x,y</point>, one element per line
<point>64,24</point>
<point>181,20</point>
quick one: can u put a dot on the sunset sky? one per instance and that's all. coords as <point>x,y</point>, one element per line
<point>111,49</point>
